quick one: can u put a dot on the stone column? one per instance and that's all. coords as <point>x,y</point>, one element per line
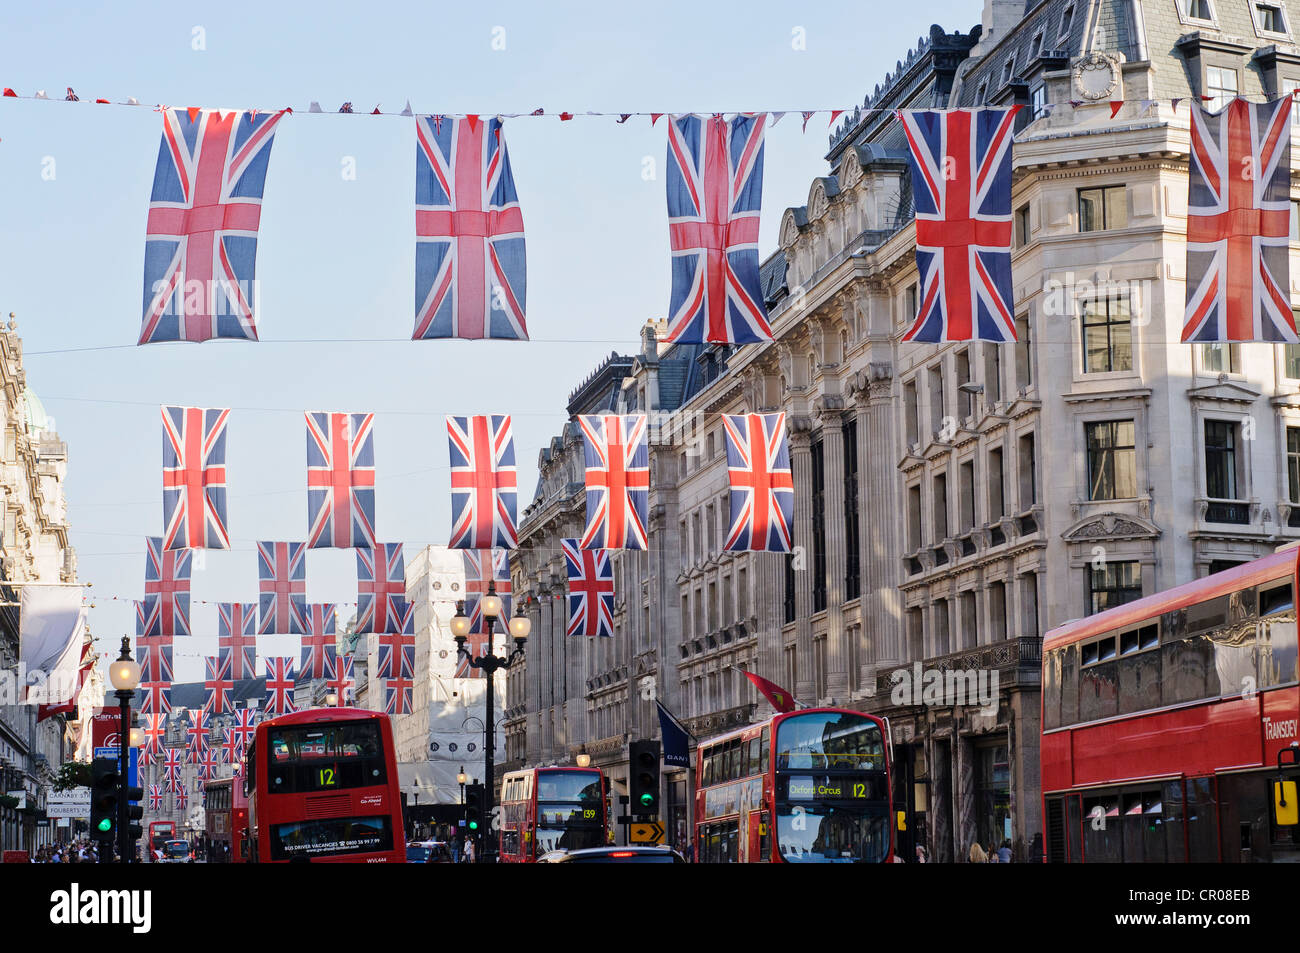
<point>882,510</point>
<point>536,667</point>
<point>830,411</point>
<point>801,470</point>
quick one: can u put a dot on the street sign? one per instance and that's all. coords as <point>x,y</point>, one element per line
<point>647,832</point>
<point>74,803</point>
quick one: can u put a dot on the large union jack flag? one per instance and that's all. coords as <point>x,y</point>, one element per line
<point>398,694</point>
<point>961,181</point>
<point>282,577</point>
<point>154,726</point>
<point>200,250</point>
<point>180,797</point>
<point>208,762</point>
<point>484,482</point>
<point>319,644</point>
<point>155,797</point>
<point>237,635</point>
<point>340,480</point>
<point>762,487</point>
<point>218,684</point>
<point>279,686</point>
<point>381,588</point>
<point>194,478</point>
<point>396,657</point>
<point>470,274</point>
<point>198,732</point>
<point>591,590</point>
<point>715,193</point>
<point>244,725</point>
<point>341,683</point>
<point>154,653</point>
<point>1238,224</point>
<point>232,748</point>
<point>173,758</point>
<point>618,481</point>
<point>167,580</point>
<point>482,567</point>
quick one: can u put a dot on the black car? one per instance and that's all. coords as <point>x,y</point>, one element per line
<point>614,855</point>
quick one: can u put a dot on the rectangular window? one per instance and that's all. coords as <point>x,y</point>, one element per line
<point>1269,18</point>
<point>742,594</point>
<point>997,498</point>
<point>1024,353</point>
<point>1067,18</point>
<point>915,635</point>
<point>788,601</point>
<point>1198,10</point>
<point>941,628</point>
<point>965,403</point>
<point>1022,224</point>
<point>1293,463</point>
<point>1037,104</point>
<point>1113,584</point>
<point>1029,604</point>
<point>1009,69</point>
<point>940,508</point>
<point>1220,460</point>
<point>992,373</point>
<point>1028,478</point>
<point>937,409</point>
<point>1100,209</point>
<point>852,564</point>
<point>910,413</point>
<point>913,302</point>
<point>967,497</point>
<point>1220,86</point>
<point>1107,335</point>
<point>1037,46</point>
<point>1112,460</point>
<point>969,625</point>
<point>819,524</point>
<point>1291,361</point>
<point>1221,358</point>
<point>997,598</point>
<point>913,518</point>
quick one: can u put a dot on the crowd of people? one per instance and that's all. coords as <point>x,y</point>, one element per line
<point>77,852</point>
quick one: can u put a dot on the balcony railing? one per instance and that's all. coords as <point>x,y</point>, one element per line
<point>719,721</point>
<point>1017,661</point>
<point>1227,511</point>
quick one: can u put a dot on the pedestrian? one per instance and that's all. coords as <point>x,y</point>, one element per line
<point>455,851</point>
<point>469,850</point>
<point>1036,849</point>
<point>920,855</point>
<point>1004,852</point>
<point>977,855</point>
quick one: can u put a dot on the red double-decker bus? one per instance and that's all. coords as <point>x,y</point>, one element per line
<point>808,786</point>
<point>160,832</point>
<point>322,786</point>
<point>226,821</point>
<point>1164,719</point>
<point>545,809</point>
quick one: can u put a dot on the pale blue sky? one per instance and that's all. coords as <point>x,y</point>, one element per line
<point>336,256</point>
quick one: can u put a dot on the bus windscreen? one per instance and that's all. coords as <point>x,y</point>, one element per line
<point>570,811</point>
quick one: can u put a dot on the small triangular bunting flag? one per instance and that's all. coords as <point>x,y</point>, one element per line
<point>407,110</point>
<point>1115,106</point>
<point>314,107</point>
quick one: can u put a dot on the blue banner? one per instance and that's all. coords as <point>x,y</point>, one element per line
<point>676,740</point>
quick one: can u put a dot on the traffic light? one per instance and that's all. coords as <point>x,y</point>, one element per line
<point>473,807</point>
<point>134,812</point>
<point>643,776</point>
<point>104,779</point>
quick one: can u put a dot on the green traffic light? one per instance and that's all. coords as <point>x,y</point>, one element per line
<point>473,825</point>
<point>647,799</point>
<point>105,825</point>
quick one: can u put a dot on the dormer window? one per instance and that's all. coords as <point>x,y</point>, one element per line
<point>1201,10</point>
<point>1009,69</point>
<point>1270,18</point>
<point>980,94</point>
<point>1037,45</point>
<point>1067,18</point>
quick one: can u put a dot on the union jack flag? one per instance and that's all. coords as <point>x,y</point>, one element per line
<point>232,748</point>
<point>194,478</point>
<point>218,684</point>
<point>591,590</point>
<point>470,274</point>
<point>482,566</point>
<point>155,797</point>
<point>961,180</point>
<point>484,482</point>
<point>618,481</point>
<point>715,194</point>
<point>340,480</point>
<point>198,732</point>
<point>762,487</point>
<point>200,250</point>
<point>381,588</point>
<point>172,760</point>
<point>1238,224</point>
<point>154,725</point>
<point>397,696</point>
<point>181,797</point>
<point>154,653</point>
<point>167,577</point>
<point>208,762</point>
<point>236,635</point>
<point>279,686</point>
<point>244,725</point>
<point>396,655</point>
<point>341,682</point>
<point>282,576</point>
<point>319,645</point>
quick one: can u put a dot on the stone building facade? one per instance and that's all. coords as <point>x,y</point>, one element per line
<point>953,502</point>
<point>33,548</point>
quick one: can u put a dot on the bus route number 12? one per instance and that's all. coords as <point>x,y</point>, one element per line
<point>326,778</point>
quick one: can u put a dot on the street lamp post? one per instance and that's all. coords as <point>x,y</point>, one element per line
<point>125,676</point>
<point>520,625</point>
<point>461,779</point>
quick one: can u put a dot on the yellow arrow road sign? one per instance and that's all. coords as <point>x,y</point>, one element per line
<point>647,832</point>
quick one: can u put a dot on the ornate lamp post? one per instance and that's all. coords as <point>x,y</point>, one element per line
<point>520,626</point>
<point>125,676</point>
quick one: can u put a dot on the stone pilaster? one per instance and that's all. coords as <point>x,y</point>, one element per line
<point>801,470</point>
<point>536,665</point>
<point>880,509</point>
<point>830,410</point>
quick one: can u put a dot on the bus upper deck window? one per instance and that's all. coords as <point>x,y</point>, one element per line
<point>1276,599</point>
